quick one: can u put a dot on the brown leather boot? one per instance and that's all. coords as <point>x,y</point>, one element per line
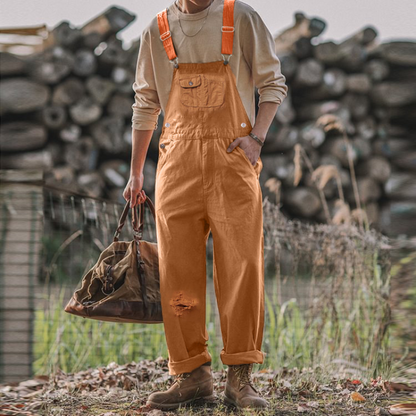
<point>239,389</point>
<point>186,388</point>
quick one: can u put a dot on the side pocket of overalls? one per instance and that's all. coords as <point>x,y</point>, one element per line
<point>257,167</point>
<point>164,147</point>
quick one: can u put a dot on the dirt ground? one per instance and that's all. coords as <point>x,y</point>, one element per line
<point>122,390</point>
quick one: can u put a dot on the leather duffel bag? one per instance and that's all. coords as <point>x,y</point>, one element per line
<point>123,286</point>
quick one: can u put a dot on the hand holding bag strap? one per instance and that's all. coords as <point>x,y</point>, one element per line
<point>123,217</point>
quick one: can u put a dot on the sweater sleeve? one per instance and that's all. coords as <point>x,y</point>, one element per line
<point>146,106</point>
<point>259,51</point>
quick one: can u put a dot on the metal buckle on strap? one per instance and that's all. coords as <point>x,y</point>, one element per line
<point>138,234</point>
<point>174,62</point>
<point>167,37</point>
<point>226,60</point>
<point>229,27</point>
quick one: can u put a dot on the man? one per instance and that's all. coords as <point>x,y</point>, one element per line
<point>199,61</point>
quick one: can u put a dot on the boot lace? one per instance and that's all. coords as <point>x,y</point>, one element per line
<point>243,373</point>
<point>181,377</point>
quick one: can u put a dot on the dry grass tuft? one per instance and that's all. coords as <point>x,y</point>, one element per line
<point>323,174</point>
<point>343,213</point>
<point>274,185</point>
<point>330,122</point>
<point>298,164</point>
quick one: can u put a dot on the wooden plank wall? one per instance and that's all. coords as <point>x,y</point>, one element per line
<point>21,228</point>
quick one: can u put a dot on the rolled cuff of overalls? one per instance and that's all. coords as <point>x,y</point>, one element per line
<point>246,357</point>
<point>190,364</point>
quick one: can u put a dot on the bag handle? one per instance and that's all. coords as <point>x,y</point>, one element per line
<point>138,223</point>
<point>137,229</point>
<point>138,218</point>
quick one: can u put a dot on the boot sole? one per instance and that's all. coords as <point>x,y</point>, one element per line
<point>230,401</point>
<point>168,406</point>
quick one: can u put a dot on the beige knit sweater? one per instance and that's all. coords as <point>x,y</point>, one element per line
<point>254,61</point>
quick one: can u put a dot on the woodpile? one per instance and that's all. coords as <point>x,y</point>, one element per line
<point>67,110</point>
<point>369,87</point>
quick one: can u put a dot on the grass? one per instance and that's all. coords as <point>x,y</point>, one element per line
<point>343,334</point>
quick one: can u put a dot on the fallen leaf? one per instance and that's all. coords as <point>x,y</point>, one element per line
<point>357,397</point>
<point>305,393</point>
<point>155,412</point>
<point>302,409</point>
<point>286,384</point>
<point>381,412</point>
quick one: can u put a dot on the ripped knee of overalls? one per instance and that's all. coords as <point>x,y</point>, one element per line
<point>180,303</point>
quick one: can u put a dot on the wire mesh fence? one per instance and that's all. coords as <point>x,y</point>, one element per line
<point>327,288</point>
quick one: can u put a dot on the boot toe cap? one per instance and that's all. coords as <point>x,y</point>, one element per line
<point>157,397</point>
<point>253,402</point>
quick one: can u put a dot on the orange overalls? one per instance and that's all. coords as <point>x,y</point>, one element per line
<point>200,187</point>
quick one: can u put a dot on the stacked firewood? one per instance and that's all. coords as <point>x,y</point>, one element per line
<point>370,88</point>
<point>68,111</point>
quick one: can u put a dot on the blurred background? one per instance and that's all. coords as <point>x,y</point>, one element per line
<point>392,19</point>
<point>339,184</point>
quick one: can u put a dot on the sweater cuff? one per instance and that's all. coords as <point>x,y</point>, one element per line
<point>145,120</point>
<point>145,125</point>
<point>271,96</point>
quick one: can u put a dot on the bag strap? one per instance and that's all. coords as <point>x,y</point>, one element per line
<point>121,221</point>
<point>138,224</point>
<point>138,232</point>
<point>135,216</point>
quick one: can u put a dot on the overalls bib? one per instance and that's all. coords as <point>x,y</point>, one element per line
<point>201,188</point>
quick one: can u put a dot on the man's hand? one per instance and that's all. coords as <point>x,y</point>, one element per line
<point>140,143</point>
<point>134,192</point>
<point>266,113</point>
<point>249,146</point>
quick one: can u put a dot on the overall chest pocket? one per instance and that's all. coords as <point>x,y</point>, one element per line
<point>201,91</point>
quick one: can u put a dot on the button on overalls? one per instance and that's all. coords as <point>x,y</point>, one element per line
<point>201,188</point>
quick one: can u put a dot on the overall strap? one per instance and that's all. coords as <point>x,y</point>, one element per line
<point>227,30</point>
<point>166,37</point>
